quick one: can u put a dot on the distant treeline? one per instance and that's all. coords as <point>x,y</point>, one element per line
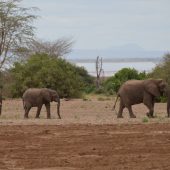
<point>119,60</point>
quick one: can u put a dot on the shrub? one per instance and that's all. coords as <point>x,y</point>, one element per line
<point>162,70</point>
<point>145,120</point>
<point>113,83</point>
<point>100,90</point>
<point>43,71</point>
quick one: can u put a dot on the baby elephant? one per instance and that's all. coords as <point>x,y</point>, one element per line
<point>36,97</point>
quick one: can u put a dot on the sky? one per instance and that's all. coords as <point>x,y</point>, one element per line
<point>103,24</point>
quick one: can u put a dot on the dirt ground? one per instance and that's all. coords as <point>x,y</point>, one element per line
<point>96,110</point>
<point>88,137</point>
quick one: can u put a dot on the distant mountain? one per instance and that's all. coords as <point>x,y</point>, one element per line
<point>125,51</point>
<point>128,47</point>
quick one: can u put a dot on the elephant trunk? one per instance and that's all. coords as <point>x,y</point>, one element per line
<point>58,108</point>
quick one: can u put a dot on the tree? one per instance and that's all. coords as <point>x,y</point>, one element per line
<point>16,29</point>
<point>112,84</point>
<point>162,70</point>
<point>58,48</point>
<point>99,71</point>
<point>58,74</point>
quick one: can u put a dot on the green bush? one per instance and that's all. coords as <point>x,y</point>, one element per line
<point>162,70</point>
<point>112,84</point>
<point>100,90</point>
<point>145,120</point>
<point>43,71</point>
<point>90,88</point>
<point>161,99</point>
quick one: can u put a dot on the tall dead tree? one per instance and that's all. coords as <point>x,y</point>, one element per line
<point>99,71</point>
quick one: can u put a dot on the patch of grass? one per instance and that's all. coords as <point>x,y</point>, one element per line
<point>86,98</point>
<point>5,117</point>
<point>107,98</point>
<point>77,117</point>
<point>101,99</point>
<point>145,120</point>
<point>160,119</point>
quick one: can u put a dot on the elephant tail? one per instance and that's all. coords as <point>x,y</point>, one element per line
<point>23,103</point>
<point>115,102</point>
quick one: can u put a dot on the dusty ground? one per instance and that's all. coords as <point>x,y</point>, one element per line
<point>78,111</point>
<point>88,137</point>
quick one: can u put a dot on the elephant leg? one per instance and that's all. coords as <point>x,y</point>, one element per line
<point>27,109</point>
<point>168,108</point>
<point>121,107</point>
<point>38,111</point>
<point>149,103</point>
<point>151,110</point>
<point>131,114</point>
<point>168,105</point>
<point>47,105</point>
<point>168,112</point>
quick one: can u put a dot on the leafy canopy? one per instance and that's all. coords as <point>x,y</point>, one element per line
<point>113,83</point>
<point>162,70</point>
<point>43,71</point>
<point>16,29</point>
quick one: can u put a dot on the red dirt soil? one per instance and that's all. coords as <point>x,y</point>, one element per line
<point>85,147</point>
<point>88,137</point>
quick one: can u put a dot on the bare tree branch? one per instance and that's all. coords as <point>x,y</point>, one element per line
<point>58,48</point>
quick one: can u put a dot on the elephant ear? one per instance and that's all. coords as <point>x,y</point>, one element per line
<point>152,88</point>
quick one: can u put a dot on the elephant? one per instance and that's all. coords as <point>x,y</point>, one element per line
<point>140,91</point>
<point>36,97</point>
<point>0,104</point>
<point>168,101</point>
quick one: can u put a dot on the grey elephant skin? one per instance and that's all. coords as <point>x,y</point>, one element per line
<point>140,91</point>
<point>36,97</point>
<point>0,104</point>
<point>168,101</point>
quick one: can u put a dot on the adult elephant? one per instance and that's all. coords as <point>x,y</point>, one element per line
<point>168,101</point>
<point>36,97</point>
<point>0,104</point>
<point>140,91</point>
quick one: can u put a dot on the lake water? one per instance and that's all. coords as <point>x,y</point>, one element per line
<point>111,68</point>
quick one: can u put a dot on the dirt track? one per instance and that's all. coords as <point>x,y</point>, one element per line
<point>89,137</point>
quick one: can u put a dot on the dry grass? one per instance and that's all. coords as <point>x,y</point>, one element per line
<point>95,110</point>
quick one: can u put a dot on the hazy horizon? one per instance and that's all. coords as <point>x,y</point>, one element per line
<point>98,24</point>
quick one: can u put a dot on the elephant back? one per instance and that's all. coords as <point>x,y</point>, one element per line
<point>131,86</point>
<point>131,92</point>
